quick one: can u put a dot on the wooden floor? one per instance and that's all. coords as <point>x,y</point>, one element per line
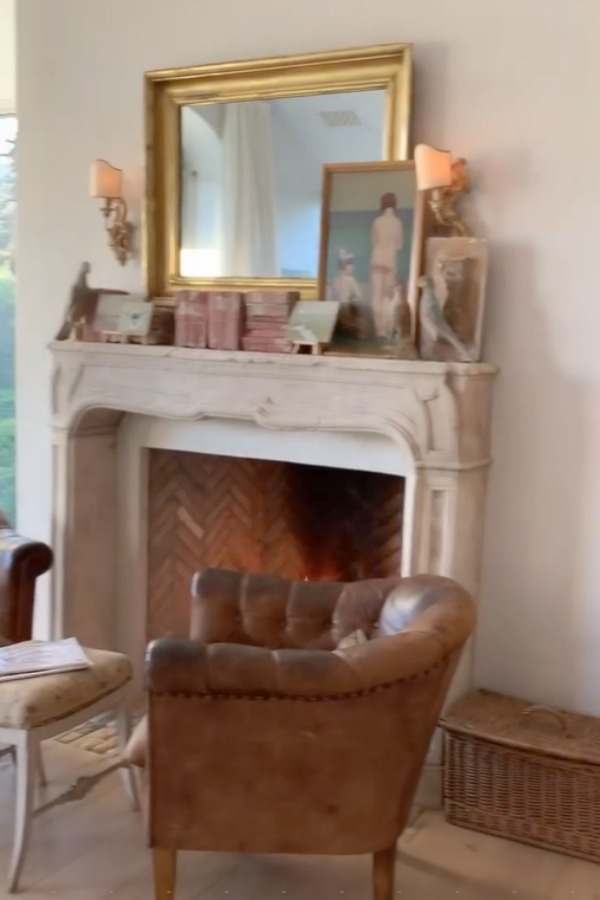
<point>93,849</point>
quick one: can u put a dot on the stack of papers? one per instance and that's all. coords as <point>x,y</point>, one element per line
<point>31,658</point>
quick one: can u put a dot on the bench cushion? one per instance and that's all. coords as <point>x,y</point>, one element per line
<point>30,702</point>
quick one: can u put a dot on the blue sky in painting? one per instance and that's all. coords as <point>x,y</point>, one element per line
<point>351,231</point>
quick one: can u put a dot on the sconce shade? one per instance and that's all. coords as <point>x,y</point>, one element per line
<point>105,180</point>
<point>433,167</point>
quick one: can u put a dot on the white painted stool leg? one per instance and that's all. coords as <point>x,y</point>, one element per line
<point>39,764</point>
<point>26,756</point>
<point>124,733</point>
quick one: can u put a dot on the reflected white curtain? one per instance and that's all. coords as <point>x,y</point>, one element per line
<point>248,216</point>
<point>189,207</point>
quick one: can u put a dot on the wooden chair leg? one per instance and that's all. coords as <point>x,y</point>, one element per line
<point>164,863</point>
<point>384,867</point>
<point>26,760</point>
<point>127,773</point>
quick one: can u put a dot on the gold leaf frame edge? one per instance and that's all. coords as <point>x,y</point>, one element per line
<point>387,66</point>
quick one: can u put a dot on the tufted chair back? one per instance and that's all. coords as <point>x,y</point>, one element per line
<point>271,612</point>
<point>269,734</point>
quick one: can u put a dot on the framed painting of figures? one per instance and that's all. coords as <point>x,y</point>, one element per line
<point>370,260</point>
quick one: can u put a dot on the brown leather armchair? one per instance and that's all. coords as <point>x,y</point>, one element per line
<point>21,562</point>
<point>266,737</point>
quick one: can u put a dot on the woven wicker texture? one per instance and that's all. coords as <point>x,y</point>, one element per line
<point>524,772</point>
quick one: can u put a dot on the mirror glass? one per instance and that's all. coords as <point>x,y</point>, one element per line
<point>251,178</point>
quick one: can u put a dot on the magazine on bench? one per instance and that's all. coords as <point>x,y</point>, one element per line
<point>31,658</point>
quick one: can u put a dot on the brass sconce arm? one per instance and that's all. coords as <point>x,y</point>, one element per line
<point>445,179</point>
<point>106,185</point>
<point>118,228</point>
<point>443,200</point>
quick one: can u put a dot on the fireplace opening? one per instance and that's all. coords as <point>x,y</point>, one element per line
<point>290,519</point>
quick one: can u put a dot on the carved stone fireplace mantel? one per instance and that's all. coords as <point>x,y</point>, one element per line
<point>114,405</point>
<point>433,419</point>
<point>439,410</point>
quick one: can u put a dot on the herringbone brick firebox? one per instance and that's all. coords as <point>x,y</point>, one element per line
<point>298,521</point>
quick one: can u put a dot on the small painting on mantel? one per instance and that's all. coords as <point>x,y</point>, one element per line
<point>452,300</point>
<point>311,325</point>
<point>123,319</point>
<point>371,247</point>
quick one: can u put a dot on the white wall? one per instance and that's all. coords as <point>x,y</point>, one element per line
<point>8,39</point>
<point>512,85</point>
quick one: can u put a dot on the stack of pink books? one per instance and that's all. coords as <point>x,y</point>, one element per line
<point>225,313</point>
<point>267,315</point>
<point>191,319</point>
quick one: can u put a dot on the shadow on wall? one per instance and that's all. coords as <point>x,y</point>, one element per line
<point>430,85</point>
<point>531,624</point>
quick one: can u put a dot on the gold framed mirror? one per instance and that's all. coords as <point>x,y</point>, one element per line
<point>234,159</point>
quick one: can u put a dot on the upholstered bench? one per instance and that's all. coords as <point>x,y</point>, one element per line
<point>34,709</point>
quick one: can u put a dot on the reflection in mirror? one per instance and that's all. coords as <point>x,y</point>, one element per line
<point>251,179</point>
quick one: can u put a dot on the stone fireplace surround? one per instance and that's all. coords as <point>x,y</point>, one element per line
<point>112,404</point>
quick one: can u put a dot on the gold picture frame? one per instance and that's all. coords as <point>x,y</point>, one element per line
<point>386,67</point>
<point>371,257</point>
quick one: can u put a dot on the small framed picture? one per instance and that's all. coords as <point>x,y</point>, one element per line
<point>135,318</point>
<point>121,317</point>
<point>371,252</point>
<point>312,323</point>
<point>457,268</point>
<point>108,310</point>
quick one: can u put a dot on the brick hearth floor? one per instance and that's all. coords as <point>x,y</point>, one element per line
<point>94,849</point>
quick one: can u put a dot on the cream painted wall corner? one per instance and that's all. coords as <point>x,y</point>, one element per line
<point>8,41</point>
<point>510,84</point>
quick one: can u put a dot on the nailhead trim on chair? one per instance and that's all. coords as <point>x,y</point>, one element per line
<point>267,697</point>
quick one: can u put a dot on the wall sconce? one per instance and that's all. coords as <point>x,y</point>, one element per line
<point>106,183</point>
<point>447,178</point>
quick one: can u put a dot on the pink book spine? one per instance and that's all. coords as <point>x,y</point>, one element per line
<point>282,297</point>
<point>257,321</point>
<point>191,319</point>
<point>224,320</point>
<point>267,332</point>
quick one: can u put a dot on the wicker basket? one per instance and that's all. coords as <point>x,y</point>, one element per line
<point>523,772</point>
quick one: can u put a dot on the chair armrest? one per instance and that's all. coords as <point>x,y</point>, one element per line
<point>428,620</point>
<point>179,666</point>
<point>21,562</point>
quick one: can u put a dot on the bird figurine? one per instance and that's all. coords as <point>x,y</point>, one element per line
<point>435,327</point>
<point>80,308</point>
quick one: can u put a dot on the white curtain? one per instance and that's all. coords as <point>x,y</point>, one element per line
<point>189,207</point>
<point>248,215</point>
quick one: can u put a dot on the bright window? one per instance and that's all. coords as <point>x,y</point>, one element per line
<point>8,136</point>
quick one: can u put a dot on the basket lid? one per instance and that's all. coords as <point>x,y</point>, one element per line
<point>519,724</point>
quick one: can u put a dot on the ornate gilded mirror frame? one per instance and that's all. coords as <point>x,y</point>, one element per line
<point>387,67</point>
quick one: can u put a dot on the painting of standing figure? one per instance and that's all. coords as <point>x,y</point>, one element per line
<point>371,244</point>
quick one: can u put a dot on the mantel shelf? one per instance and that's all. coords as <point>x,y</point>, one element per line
<point>439,410</point>
<point>98,352</point>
